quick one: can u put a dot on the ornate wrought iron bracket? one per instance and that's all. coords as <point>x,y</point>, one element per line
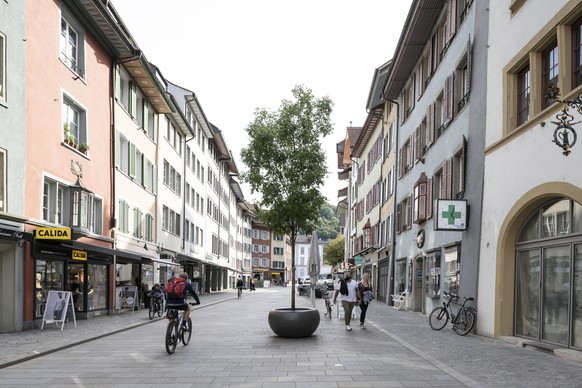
<point>565,135</point>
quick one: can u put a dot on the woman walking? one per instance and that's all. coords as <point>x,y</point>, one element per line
<point>366,296</point>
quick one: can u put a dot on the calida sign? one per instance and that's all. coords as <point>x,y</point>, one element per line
<point>53,234</point>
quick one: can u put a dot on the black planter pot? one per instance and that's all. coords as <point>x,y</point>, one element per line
<point>298,323</point>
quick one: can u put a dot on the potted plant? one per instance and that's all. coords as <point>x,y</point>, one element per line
<point>287,165</point>
<point>66,132</point>
<point>83,147</point>
<point>72,141</point>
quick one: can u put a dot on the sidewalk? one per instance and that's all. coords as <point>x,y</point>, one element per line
<point>20,346</point>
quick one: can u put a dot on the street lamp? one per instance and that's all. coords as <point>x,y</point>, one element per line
<point>564,135</point>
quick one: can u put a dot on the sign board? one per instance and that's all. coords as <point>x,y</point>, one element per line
<point>55,311</point>
<point>79,255</point>
<point>53,233</point>
<point>451,214</point>
<point>127,297</point>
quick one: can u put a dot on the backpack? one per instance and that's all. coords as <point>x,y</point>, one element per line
<point>343,287</point>
<point>239,283</point>
<point>175,289</point>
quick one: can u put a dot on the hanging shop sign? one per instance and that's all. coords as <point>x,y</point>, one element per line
<point>80,255</point>
<point>53,234</point>
<point>451,214</point>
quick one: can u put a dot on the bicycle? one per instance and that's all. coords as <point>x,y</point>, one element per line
<point>178,329</point>
<point>325,295</point>
<point>463,322</point>
<point>156,307</point>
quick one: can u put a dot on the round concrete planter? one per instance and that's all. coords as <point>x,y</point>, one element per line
<point>298,323</point>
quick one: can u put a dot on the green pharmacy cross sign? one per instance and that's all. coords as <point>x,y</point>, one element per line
<point>451,214</point>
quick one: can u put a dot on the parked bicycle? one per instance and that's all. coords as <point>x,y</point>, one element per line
<point>178,329</point>
<point>463,321</point>
<point>326,298</point>
<point>156,306</point>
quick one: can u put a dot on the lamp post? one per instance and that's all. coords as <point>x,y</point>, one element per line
<point>565,135</point>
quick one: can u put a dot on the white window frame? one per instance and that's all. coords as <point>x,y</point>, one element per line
<point>72,44</point>
<point>2,67</point>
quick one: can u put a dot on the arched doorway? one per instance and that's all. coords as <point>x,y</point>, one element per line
<point>548,274</point>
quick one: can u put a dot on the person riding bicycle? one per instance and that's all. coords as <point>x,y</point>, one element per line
<point>156,293</point>
<point>239,284</point>
<point>177,301</point>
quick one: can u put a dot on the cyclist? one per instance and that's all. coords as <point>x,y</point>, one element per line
<point>156,294</point>
<point>239,285</point>
<point>178,302</point>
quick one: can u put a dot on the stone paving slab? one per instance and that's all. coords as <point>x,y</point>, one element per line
<point>232,346</point>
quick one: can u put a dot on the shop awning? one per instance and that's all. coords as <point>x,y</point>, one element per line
<point>166,262</point>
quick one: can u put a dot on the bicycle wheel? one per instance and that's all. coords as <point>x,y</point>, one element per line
<point>438,318</point>
<point>171,337</point>
<point>187,332</point>
<point>465,321</point>
<point>152,309</point>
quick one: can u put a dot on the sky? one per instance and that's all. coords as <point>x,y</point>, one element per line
<point>240,55</point>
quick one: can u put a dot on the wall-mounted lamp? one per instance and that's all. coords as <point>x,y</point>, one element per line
<point>564,135</point>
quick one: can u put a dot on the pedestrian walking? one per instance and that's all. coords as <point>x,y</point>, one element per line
<point>366,296</point>
<point>350,295</point>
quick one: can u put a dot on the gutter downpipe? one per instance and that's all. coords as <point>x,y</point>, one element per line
<point>393,250</point>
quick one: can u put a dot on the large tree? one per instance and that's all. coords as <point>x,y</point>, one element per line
<point>286,164</point>
<point>335,250</point>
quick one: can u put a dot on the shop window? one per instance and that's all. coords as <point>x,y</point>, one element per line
<point>49,277</point>
<point>451,270</point>
<point>400,276</point>
<point>432,272</point>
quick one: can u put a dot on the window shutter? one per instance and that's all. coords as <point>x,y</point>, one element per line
<point>400,163</point>
<point>430,124</point>
<point>448,176</point>
<point>449,87</point>
<point>409,211</point>
<point>144,170</point>
<point>398,218</point>
<point>452,18</point>
<point>468,75</point>
<point>429,198</point>
<point>419,83</point>
<point>132,160</point>
<point>417,149</point>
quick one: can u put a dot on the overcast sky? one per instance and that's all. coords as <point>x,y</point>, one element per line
<point>239,55</point>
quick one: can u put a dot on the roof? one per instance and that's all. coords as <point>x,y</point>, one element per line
<point>417,29</point>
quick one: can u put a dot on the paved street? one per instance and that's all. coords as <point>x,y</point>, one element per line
<point>233,346</point>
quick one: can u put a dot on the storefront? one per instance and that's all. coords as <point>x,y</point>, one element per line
<point>84,269</point>
<point>548,263</point>
<point>12,239</point>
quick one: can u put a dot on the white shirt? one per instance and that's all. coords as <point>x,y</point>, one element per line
<point>351,296</point>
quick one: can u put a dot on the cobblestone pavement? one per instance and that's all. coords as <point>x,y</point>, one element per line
<point>233,346</point>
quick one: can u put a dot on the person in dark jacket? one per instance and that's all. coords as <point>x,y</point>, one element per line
<point>180,303</point>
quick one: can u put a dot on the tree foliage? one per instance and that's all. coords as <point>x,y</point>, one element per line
<point>286,164</point>
<point>335,251</point>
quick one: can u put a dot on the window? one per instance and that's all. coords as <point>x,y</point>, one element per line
<point>577,63</point>
<point>2,67</point>
<point>404,214</point>
<point>550,70</point>
<point>76,208</point>
<point>149,227</point>
<point>406,157</point>
<point>72,45</point>
<point>523,95</point>
<point>458,174</point>
<point>463,75</point>
<point>137,223</point>
<point>170,220</point>
<point>172,178</point>
<point>3,204</point>
<point>74,122</point>
<point>420,199</point>
<point>123,210</point>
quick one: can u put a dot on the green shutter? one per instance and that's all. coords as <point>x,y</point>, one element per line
<point>155,182</point>
<point>132,160</point>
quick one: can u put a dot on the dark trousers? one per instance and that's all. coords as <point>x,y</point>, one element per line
<point>364,308</point>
